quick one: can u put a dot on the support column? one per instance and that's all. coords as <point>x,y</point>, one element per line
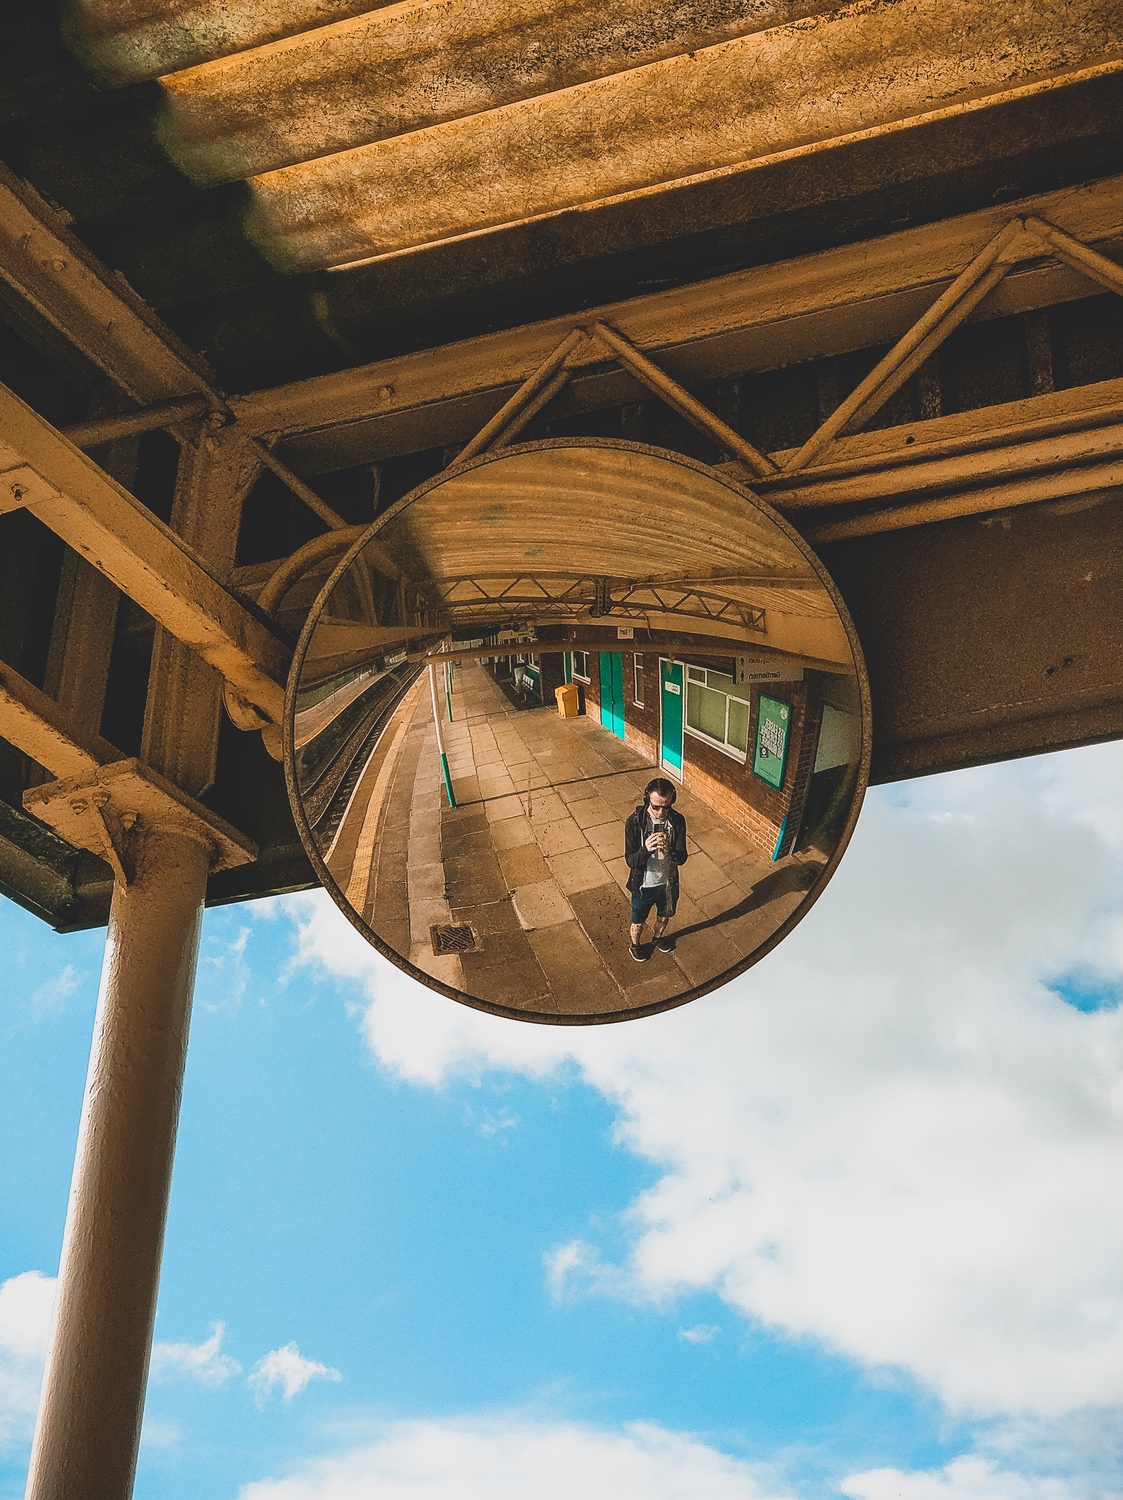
<point>162,846</point>
<point>88,1430</point>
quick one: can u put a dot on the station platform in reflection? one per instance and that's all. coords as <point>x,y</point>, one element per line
<point>531,859</point>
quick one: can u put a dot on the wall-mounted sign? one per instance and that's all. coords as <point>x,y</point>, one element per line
<point>773,723</point>
<point>625,632</point>
<point>764,669</point>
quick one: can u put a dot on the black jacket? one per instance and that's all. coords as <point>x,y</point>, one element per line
<point>636,830</point>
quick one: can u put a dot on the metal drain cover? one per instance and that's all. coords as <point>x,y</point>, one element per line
<point>451,937</point>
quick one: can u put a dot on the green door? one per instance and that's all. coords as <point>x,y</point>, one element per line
<point>670,716</point>
<point>612,692</point>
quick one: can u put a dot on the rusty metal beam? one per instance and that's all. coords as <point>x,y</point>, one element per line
<point>749,321</point>
<point>41,728</point>
<point>131,423</point>
<point>1052,447</point>
<point>97,310</point>
<point>950,309</point>
<point>1079,255</point>
<point>42,472</point>
<point>680,400</point>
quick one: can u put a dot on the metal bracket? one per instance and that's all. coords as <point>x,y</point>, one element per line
<point>106,813</point>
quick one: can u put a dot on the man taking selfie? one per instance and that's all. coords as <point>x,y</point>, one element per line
<point>654,847</point>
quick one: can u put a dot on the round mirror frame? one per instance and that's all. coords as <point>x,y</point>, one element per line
<point>749,498</point>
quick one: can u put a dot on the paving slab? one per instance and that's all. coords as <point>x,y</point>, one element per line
<point>652,985</point>
<point>581,790</point>
<point>604,914</point>
<point>424,848</point>
<point>579,982</point>
<point>511,833</point>
<point>559,837</point>
<point>505,972</point>
<point>705,954</point>
<point>727,901</point>
<point>456,842</point>
<point>544,807</point>
<point>471,818</point>
<point>523,865</point>
<point>427,882</point>
<point>541,904</point>
<point>504,807</point>
<point>445,967</point>
<point>592,811</point>
<point>700,875</point>
<point>424,914</point>
<point>607,839</point>
<point>473,878</point>
<point>722,846</point>
<point>578,870</point>
<point>488,918</point>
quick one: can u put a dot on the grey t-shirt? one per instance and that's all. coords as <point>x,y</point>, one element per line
<point>658,868</point>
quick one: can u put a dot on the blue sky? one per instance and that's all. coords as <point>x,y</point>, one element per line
<point>849,1227</point>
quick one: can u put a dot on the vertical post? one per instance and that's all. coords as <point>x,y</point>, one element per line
<point>440,739</point>
<point>448,689</point>
<point>88,1429</point>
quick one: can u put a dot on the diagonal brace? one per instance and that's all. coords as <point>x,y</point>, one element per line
<point>913,348</point>
<point>680,400</point>
<point>1078,255</point>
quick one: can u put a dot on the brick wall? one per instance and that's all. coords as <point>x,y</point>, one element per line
<point>590,691</point>
<point>731,788</point>
<point>552,665</point>
<point>767,817</point>
<point>641,723</point>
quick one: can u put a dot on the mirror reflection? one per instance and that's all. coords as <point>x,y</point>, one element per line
<point>577,731</point>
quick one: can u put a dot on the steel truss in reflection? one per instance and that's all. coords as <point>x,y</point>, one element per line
<point>566,596</point>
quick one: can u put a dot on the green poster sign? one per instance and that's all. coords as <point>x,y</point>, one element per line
<point>773,720</point>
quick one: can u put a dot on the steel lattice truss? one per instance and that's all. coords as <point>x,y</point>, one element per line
<point>566,596</point>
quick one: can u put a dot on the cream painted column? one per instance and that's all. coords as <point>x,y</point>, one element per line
<point>88,1430</point>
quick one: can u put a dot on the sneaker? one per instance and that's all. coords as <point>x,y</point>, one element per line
<point>665,944</point>
<point>640,952</point>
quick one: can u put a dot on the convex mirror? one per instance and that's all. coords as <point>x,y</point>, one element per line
<point>577,731</point>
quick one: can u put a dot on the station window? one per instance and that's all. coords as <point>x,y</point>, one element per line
<point>637,680</point>
<point>581,665</point>
<point>717,710</point>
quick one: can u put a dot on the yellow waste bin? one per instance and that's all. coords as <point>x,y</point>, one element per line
<point>566,695</point>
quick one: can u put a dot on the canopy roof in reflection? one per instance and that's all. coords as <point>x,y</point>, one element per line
<point>579,533</point>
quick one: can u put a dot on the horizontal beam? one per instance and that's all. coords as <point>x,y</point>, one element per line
<point>1047,447</point>
<point>836,300</point>
<point>94,308</point>
<point>40,727</point>
<point>43,473</point>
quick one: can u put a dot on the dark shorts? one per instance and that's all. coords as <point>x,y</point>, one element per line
<point>648,896</point>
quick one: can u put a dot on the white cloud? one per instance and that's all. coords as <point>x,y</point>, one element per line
<point>510,1460</point>
<point>202,1362</point>
<point>966,1478</point>
<point>51,996</point>
<point>891,1136</point>
<point>224,971</point>
<point>701,1333</point>
<point>26,1302</point>
<point>287,1368</point>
